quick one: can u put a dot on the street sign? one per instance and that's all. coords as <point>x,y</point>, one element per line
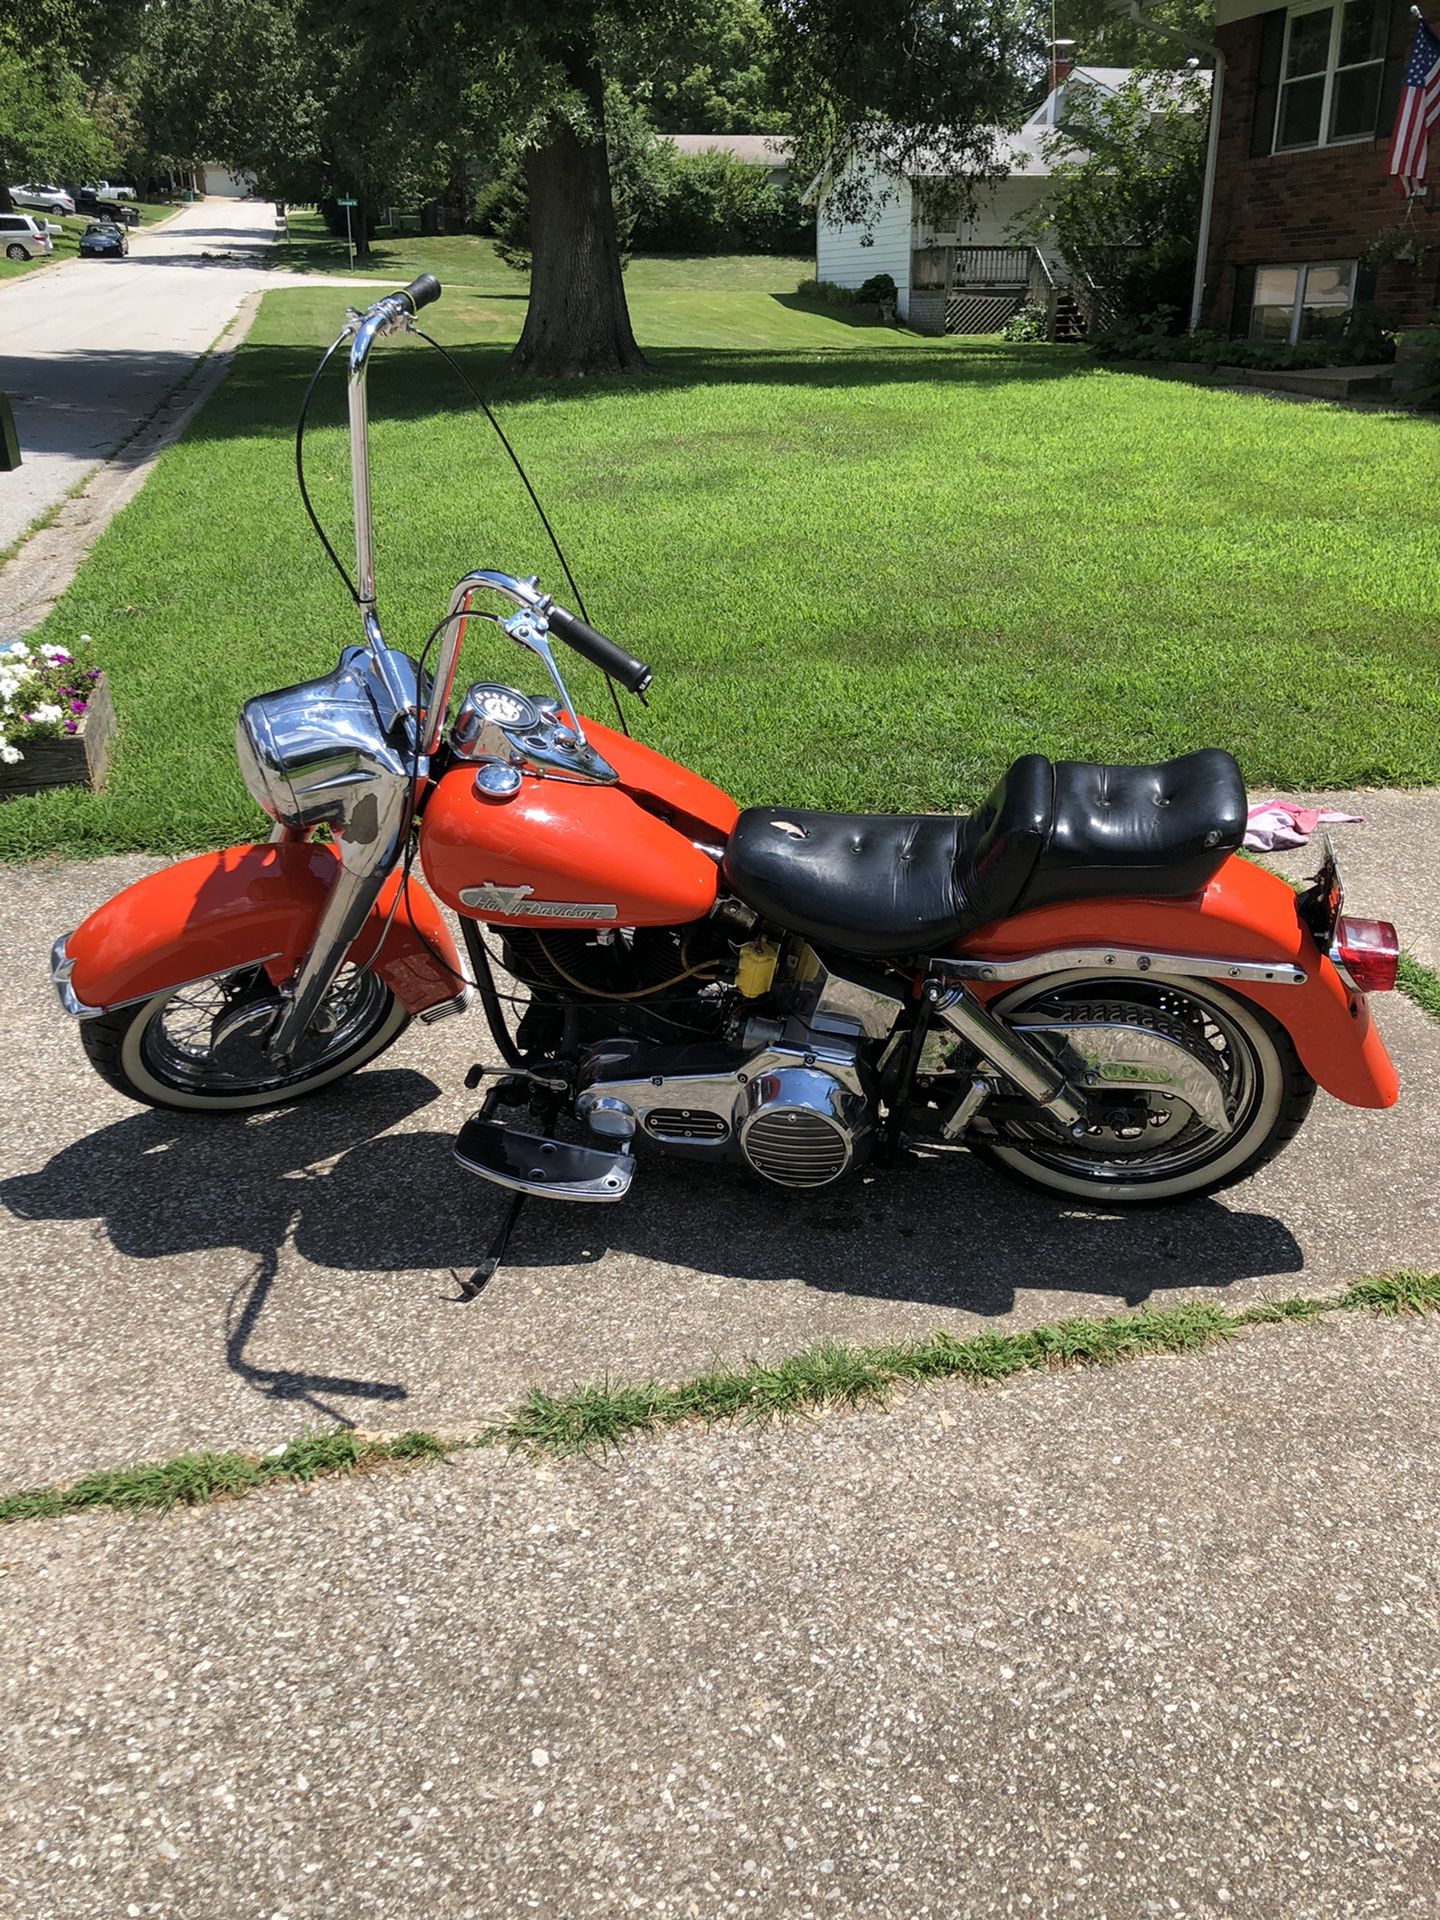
<point>347,203</point>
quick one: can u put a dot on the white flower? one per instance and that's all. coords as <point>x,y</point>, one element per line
<point>45,715</point>
<point>10,755</point>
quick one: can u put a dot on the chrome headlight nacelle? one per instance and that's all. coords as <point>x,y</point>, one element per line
<point>319,754</point>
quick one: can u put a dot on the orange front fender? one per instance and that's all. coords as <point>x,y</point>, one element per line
<point>1244,913</point>
<point>246,906</point>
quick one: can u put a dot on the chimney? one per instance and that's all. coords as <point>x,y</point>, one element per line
<point>1062,60</point>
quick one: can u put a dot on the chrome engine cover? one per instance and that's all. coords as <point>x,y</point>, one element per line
<point>798,1115</point>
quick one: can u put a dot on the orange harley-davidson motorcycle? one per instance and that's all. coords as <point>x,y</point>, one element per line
<point>1080,981</point>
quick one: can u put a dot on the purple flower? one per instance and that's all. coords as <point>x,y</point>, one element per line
<point>71,727</point>
<point>63,659</point>
<point>77,706</point>
<point>93,674</point>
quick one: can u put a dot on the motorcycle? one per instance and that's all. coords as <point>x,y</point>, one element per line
<point>1080,982</point>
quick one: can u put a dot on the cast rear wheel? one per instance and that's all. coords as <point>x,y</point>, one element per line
<point>200,1047</point>
<point>1153,1147</point>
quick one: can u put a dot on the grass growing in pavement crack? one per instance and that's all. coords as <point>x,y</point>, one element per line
<point>193,1479</point>
<point>1420,983</point>
<point>593,1418</point>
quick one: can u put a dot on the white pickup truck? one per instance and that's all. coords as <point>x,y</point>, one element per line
<point>107,190</point>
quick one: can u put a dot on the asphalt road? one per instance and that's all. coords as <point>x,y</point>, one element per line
<point>89,349</point>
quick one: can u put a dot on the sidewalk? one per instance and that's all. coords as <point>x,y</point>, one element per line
<point>1160,1641</point>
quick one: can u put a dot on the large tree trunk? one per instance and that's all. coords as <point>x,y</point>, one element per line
<point>577,322</point>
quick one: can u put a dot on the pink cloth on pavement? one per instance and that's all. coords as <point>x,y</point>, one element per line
<point>1273,824</point>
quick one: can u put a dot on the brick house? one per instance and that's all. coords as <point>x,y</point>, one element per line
<point>1299,187</point>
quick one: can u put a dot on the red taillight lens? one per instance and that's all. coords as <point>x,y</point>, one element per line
<point>1369,951</point>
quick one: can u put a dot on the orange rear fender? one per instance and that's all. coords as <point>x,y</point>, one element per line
<point>247,906</point>
<point>1244,913</point>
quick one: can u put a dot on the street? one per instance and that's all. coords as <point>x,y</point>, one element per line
<point>89,349</point>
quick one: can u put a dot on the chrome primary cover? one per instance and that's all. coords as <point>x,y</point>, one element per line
<point>797,1117</point>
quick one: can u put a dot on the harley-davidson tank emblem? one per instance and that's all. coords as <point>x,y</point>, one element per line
<point>493,899</point>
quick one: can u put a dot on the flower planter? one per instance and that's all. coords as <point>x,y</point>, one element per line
<point>80,759</point>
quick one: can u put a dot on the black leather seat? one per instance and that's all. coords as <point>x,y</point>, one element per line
<point>1067,830</point>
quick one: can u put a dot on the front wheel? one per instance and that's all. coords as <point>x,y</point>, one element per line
<point>181,1048</point>
<point>1156,1148</point>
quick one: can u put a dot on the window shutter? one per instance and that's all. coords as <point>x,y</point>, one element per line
<point>1397,56</point>
<point>1267,82</point>
<point>1244,300</point>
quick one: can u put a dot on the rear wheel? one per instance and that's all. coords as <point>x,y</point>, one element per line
<point>16,252</point>
<point>200,1047</point>
<point>1154,1147</point>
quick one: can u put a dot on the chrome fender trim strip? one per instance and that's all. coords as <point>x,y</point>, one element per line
<point>1274,973</point>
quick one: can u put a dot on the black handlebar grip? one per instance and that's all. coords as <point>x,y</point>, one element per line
<point>632,674</point>
<point>423,291</point>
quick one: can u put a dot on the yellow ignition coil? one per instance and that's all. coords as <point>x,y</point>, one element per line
<point>756,967</point>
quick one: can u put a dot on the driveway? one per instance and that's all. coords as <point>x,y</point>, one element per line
<point>89,349</point>
<point>169,1281</point>
<point>1157,1643</point>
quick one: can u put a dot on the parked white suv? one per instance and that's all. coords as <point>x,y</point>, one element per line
<point>22,238</point>
<point>48,199</point>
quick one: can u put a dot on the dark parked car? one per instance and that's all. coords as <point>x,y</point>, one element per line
<point>102,240</point>
<point>117,215</point>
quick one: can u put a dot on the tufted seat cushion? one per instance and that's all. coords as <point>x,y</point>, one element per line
<point>910,883</point>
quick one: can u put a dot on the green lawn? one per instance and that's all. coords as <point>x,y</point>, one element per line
<point>466,259</point>
<point>869,569</point>
<point>68,240</point>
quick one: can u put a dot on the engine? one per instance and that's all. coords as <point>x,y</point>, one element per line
<point>797,1108</point>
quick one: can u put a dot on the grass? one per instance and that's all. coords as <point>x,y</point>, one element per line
<point>1420,983</point>
<point>869,569</point>
<point>462,259</point>
<point>592,1419</point>
<point>67,241</point>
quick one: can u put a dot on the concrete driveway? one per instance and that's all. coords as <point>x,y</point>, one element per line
<point>171,1281</point>
<point>89,349</point>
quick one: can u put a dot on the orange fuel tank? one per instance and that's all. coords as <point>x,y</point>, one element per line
<point>565,853</point>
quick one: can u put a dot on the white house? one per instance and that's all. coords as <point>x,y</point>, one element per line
<point>970,279</point>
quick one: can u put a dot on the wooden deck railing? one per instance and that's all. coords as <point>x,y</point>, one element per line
<point>943,269</point>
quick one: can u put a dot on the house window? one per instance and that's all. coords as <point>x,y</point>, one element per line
<point>1301,303</point>
<point>1330,74</point>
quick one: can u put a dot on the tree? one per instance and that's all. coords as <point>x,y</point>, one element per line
<point>718,75</point>
<point>1113,39</point>
<point>1124,199</point>
<point>45,131</point>
<point>299,102</point>
<point>886,78</point>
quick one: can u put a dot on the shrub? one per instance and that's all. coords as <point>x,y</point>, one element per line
<point>1419,381</point>
<point>713,203</point>
<point>829,293</point>
<point>1029,323</point>
<point>879,287</point>
<point>1364,336</point>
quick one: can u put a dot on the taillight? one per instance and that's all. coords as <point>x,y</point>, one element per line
<point>1367,952</point>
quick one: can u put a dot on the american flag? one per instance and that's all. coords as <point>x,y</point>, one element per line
<point>1419,111</point>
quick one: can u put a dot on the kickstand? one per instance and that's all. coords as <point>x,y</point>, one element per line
<point>485,1272</point>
